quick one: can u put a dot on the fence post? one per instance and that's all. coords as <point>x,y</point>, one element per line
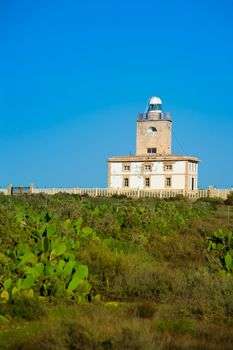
<point>9,189</point>
<point>31,188</point>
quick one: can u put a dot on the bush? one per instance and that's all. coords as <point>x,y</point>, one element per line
<point>145,310</point>
<point>99,332</point>
<point>25,308</point>
<point>140,251</point>
<point>214,202</point>
<point>119,196</point>
<point>101,327</point>
<point>229,200</point>
<point>176,326</point>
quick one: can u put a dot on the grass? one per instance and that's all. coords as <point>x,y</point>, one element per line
<point>149,266</point>
<point>139,325</point>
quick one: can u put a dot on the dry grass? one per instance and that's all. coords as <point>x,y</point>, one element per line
<point>126,327</point>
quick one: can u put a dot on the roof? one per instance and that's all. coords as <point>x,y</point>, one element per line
<point>152,158</point>
<point>155,100</point>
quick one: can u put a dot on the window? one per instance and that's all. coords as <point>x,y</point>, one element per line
<point>151,129</point>
<point>147,182</point>
<point>147,167</point>
<point>126,167</point>
<point>151,150</point>
<point>168,182</point>
<point>155,107</point>
<point>168,167</point>
<point>126,182</point>
<point>193,167</point>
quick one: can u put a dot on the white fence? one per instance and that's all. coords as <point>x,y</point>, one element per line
<point>3,191</point>
<point>105,192</point>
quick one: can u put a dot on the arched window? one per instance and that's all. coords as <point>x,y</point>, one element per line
<point>151,129</point>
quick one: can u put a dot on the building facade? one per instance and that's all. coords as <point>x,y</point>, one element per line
<point>154,167</point>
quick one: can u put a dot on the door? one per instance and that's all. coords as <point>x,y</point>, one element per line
<point>193,183</point>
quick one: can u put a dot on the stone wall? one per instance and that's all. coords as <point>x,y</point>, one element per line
<point>159,139</point>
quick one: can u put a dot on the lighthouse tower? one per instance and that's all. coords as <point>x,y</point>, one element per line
<point>154,130</point>
<point>154,167</point>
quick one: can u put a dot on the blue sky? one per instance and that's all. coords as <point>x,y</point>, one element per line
<point>75,74</point>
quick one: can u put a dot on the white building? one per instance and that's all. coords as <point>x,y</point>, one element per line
<point>154,167</point>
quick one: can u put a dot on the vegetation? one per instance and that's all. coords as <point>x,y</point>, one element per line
<point>115,273</point>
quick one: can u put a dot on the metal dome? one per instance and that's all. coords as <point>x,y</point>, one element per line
<point>155,101</point>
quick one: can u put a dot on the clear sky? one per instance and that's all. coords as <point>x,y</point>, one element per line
<point>75,74</point>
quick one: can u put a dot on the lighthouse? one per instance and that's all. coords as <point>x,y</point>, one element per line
<point>154,166</point>
<point>153,130</point>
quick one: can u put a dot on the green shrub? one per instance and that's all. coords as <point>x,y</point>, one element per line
<point>176,326</point>
<point>229,200</point>
<point>220,246</point>
<point>180,197</point>
<point>145,310</point>
<point>119,196</point>
<point>143,250</point>
<point>25,308</point>
<point>214,202</point>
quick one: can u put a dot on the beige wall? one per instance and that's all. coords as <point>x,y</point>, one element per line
<point>161,139</point>
<point>157,174</point>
